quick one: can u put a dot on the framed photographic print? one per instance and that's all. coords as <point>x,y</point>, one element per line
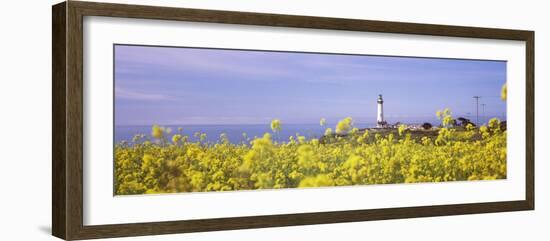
<point>171,120</point>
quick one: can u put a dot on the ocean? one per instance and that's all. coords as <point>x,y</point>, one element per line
<point>233,132</point>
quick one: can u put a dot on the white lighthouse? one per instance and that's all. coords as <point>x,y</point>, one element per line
<point>380,122</point>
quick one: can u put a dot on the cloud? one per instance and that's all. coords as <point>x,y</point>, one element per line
<point>135,95</point>
<point>134,59</point>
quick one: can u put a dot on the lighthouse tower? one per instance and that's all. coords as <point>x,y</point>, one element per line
<point>380,122</point>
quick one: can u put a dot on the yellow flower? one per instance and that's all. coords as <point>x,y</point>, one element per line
<point>454,154</point>
<point>344,125</point>
<point>446,112</point>
<point>147,158</point>
<point>157,132</point>
<point>401,129</point>
<point>448,120</point>
<point>483,129</point>
<point>445,116</point>
<point>301,139</point>
<point>320,180</point>
<point>176,138</point>
<point>504,92</point>
<point>494,123</point>
<point>276,125</point>
<point>291,139</point>
<point>322,122</point>
<point>366,135</point>
<point>306,156</point>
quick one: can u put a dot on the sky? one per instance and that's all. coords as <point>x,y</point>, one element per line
<point>194,86</point>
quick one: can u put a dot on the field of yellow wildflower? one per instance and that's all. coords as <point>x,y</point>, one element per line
<point>164,163</point>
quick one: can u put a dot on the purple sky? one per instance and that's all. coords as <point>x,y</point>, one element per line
<point>179,86</point>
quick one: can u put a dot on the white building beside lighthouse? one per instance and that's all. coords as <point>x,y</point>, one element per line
<point>380,122</point>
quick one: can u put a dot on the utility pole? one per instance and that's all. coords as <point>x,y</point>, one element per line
<point>477,109</point>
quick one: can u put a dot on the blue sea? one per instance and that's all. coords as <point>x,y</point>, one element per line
<point>233,132</point>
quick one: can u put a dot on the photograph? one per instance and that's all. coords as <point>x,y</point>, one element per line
<point>181,120</point>
<point>190,119</point>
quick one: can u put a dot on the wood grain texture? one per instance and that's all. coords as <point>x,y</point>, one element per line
<point>67,79</point>
<point>58,121</point>
<point>74,117</point>
<point>530,120</point>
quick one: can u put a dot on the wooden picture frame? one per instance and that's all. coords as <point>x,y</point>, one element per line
<point>67,124</point>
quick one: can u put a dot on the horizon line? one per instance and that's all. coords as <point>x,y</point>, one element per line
<point>283,123</point>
